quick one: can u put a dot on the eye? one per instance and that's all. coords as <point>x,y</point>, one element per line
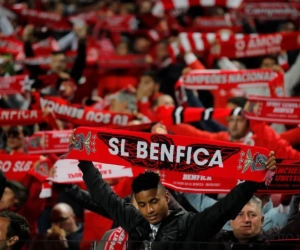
<point>141,204</point>
<point>154,201</point>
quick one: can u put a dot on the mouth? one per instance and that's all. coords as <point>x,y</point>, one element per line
<point>152,217</point>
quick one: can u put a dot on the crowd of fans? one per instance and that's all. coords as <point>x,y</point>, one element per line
<point>77,56</point>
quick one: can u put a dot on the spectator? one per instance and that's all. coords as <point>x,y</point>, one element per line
<point>14,231</point>
<point>62,216</point>
<point>247,230</point>
<point>14,197</point>
<point>152,200</point>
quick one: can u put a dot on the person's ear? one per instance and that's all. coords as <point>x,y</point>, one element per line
<point>12,240</point>
<point>262,220</point>
<point>168,197</point>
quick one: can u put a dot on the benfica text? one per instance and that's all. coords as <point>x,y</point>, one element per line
<point>167,153</point>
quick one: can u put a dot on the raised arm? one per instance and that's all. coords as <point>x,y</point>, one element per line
<point>84,199</point>
<point>126,215</point>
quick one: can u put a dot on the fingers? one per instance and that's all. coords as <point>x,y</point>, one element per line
<point>271,162</point>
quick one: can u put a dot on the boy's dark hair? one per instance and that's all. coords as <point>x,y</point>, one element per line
<point>20,192</point>
<point>153,75</point>
<point>146,181</point>
<point>18,226</point>
<point>240,101</point>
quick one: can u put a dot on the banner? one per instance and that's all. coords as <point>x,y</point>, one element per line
<point>166,5</point>
<point>214,24</point>
<point>123,62</point>
<point>82,117</point>
<point>169,153</point>
<point>278,110</point>
<point>66,171</point>
<point>286,179</point>
<point>10,45</point>
<point>21,117</point>
<point>227,79</point>
<point>239,45</point>
<point>46,142</point>
<point>271,10</point>
<point>10,85</point>
<point>16,167</point>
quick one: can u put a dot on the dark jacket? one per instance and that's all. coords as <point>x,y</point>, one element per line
<point>2,183</point>
<point>84,199</point>
<point>199,227</point>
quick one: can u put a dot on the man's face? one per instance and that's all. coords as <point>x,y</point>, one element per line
<point>8,199</point>
<point>58,63</point>
<point>15,139</point>
<point>153,204</point>
<point>4,223</point>
<point>165,100</point>
<point>248,223</point>
<point>267,63</point>
<point>146,86</point>
<point>237,126</point>
<point>118,107</point>
<point>63,220</point>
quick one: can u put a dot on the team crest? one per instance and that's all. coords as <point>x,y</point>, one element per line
<point>35,142</point>
<point>255,163</point>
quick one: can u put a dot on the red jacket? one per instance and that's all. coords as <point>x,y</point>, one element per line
<point>263,136</point>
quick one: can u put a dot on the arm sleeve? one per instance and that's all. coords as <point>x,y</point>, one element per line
<point>84,199</point>
<point>80,61</point>
<point>34,70</point>
<point>121,212</point>
<point>209,125</point>
<point>292,136</point>
<point>292,77</point>
<point>294,208</point>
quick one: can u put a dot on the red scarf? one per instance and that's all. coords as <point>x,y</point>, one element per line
<point>171,154</point>
<point>80,116</point>
<point>117,240</point>
<point>282,110</point>
<point>17,166</point>
<point>271,10</point>
<point>166,5</point>
<point>46,142</point>
<point>22,117</point>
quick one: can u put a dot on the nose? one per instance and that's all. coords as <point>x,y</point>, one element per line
<point>246,218</point>
<point>150,209</point>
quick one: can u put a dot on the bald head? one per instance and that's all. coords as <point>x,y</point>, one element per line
<point>62,215</point>
<point>61,211</point>
<point>164,100</point>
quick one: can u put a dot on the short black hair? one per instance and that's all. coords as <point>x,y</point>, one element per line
<point>240,101</point>
<point>146,181</point>
<point>151,74</point>
<point>18,226</point>
<point>19,190</point>
<point>272,57</point>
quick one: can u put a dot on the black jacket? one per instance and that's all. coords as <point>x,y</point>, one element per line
<point>2,183</point>
<point>199,227</point>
